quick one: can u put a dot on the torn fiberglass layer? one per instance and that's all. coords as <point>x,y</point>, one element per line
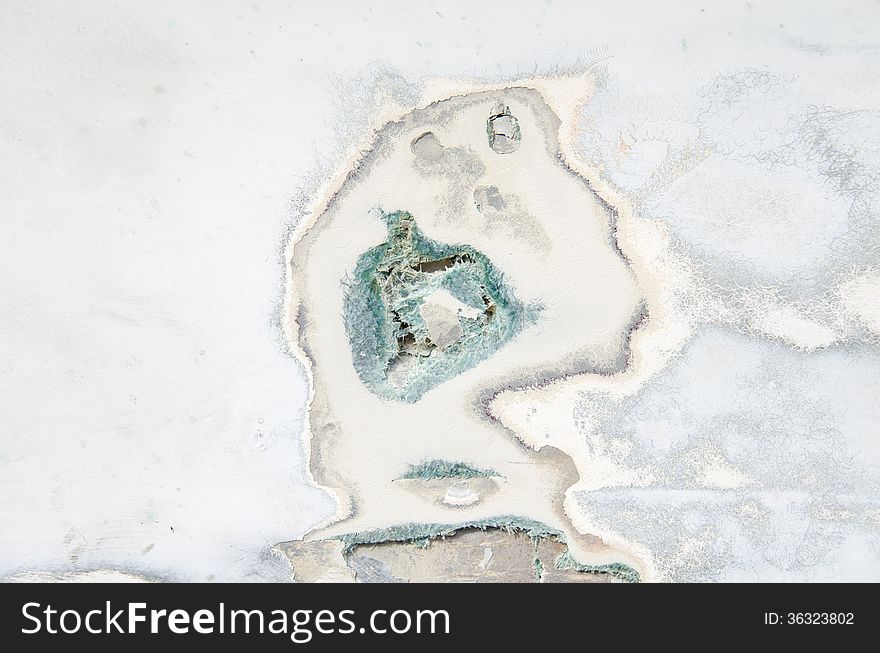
<point>419,312</point>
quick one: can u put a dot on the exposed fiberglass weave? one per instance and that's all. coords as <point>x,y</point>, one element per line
<point>423,535</point>
<point>419,312</point>
<point>433,469</point>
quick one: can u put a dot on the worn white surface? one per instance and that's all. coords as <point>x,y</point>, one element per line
<point>149,158</point>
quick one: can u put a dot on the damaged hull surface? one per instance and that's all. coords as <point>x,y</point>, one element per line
<point>461,257</point>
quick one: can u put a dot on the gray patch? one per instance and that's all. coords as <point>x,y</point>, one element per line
<point>488,196</point>
<point>371,570</point>
<point>427,147</point>
<point>443,325</point>
<point>503,130</point>
<point>504,213</point>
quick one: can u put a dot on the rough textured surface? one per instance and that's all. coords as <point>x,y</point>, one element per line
<point>445,268</point>
<point>472,556</point>
<point>501,550</point>
<point>404,339</point>
<point>154,423</point>
<point>431,469</point>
